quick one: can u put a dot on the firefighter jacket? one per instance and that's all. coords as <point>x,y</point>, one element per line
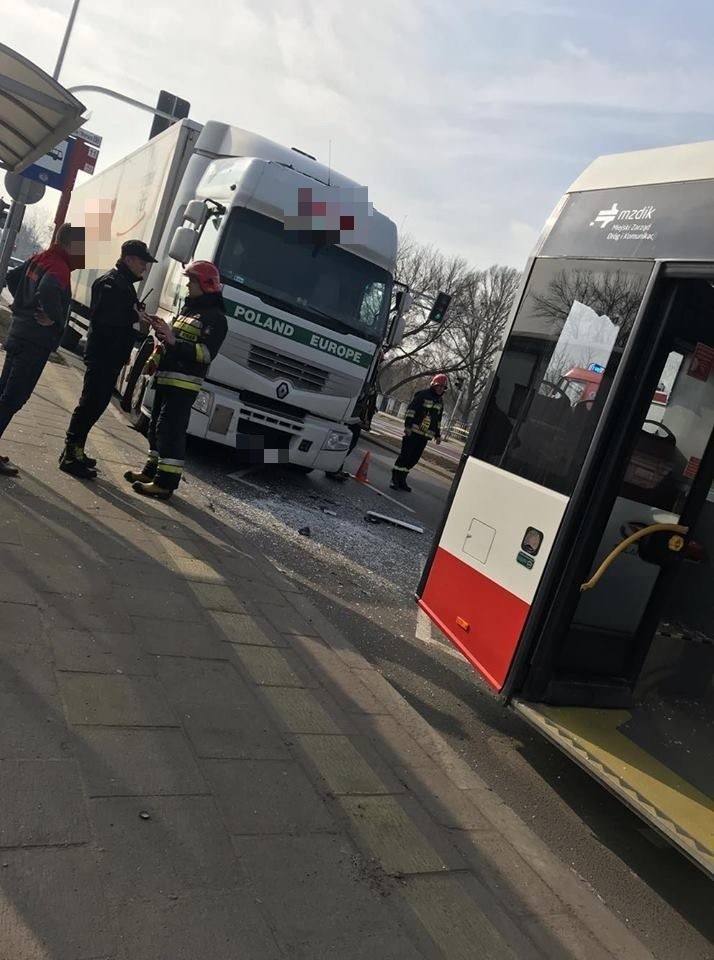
<point>41,288</point>
<point>200,330</point>
<point>423,415</point>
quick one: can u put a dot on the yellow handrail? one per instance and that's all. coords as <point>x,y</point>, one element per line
<point>621,547</point>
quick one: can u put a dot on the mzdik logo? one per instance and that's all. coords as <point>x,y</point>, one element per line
<point>282,390</point>
<point>606,217</point>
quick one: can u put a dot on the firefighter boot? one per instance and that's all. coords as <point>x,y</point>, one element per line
<point>72,461</point>
<point>399,481</point>
<point>133,477</point>
<point>147,472</point>
<point>152,489</point>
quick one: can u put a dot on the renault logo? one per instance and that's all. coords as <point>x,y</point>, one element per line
<point>282,390</point>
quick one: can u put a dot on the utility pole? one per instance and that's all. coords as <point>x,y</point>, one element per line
<point>65,40</point>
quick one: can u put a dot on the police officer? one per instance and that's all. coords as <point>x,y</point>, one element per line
<point>421,424</point>
<point>115,322</point>
<point>181,361</point>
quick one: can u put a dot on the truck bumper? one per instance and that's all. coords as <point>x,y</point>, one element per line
<point>263,435</point>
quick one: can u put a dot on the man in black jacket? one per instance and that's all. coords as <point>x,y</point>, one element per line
<point>115,321</point>
<point>41,295</point>
<point>421,424</point>
<point>179,365</point>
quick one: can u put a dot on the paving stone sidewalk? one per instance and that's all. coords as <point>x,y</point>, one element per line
<point>195,764</point>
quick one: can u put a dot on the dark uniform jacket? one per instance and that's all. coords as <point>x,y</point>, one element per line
<point>423,415</point>
<point>200,330</point>
<point>113,320</point>
<point>40,286</point>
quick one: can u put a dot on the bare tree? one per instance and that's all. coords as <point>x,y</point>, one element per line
<point>478,335</point>
<point>428,271</point>
<point>34,234</point>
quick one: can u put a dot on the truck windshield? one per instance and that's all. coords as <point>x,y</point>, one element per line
<point>325,284</point>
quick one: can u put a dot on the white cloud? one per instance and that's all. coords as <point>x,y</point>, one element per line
<point>467,117</point>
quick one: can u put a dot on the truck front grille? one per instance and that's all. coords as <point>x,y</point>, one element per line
<point>275,365</point>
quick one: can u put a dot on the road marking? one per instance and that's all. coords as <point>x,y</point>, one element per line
<point>381,493</point>
<point>237,477</point>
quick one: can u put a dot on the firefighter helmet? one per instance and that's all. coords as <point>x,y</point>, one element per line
<point>440,380</point>
<point>203,271</point>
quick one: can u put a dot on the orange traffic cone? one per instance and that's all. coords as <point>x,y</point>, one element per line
<point>361,474</point>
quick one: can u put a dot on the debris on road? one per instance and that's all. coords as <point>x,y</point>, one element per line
<point>305,532</point>
<point>372,517</point>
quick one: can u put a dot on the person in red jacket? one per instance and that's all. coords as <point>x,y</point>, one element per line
<point>41,290</point>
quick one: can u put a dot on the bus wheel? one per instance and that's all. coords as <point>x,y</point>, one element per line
<point>70,339</point>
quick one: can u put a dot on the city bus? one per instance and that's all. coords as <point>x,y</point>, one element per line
<point>573,566</point>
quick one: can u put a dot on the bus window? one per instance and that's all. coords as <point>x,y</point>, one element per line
<point>575,315</point>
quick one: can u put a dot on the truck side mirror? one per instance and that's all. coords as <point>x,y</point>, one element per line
<point>195,212</point>
<point>183,244</point>
<point>402,301</point>
<point>396,334</point>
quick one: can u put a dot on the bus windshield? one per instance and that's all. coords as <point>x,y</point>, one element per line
<point>326,284</point>
<point>561,355</point>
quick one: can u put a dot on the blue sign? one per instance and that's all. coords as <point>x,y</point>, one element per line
<point>52,169</point>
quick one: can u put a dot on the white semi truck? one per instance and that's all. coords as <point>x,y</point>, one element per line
<point>308,271</point>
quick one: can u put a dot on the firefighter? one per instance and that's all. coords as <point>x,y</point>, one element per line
<point>179,364</point>
<point>116,318</point>
<point>421,424</point>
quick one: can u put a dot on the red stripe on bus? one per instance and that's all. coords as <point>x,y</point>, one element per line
<point>456,593</point>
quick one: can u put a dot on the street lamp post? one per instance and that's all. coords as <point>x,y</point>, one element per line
<point>65,40</point>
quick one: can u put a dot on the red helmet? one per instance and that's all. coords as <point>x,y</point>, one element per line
<point>209,279</point>
<point>440,380</point>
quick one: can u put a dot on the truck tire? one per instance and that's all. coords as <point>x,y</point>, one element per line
<point>142,356</point>
<point>70,339</point>
<point>137,417</point>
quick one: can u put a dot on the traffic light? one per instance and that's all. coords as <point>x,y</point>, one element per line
<point>4,208</point>
<point>168,103</point>
<point>441,305</point>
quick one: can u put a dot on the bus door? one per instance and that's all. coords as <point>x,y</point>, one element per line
<point>621,673</point>
<point>526,454</point>
<point>640,559</point>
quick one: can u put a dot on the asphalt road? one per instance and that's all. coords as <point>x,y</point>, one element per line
<point>363,576</point>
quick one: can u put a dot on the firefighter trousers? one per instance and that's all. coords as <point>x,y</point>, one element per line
<point>413,446</point>
<point>167,435</point>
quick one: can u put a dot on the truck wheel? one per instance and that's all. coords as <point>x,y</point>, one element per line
<point>127,397</point>
<point>70,339</point>
<point>137,417</point>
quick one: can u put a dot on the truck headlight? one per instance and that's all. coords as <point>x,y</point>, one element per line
<point>204,402</point>
<point>336,441</point>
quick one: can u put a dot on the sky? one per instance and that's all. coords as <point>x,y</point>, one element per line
<point>466,119</point>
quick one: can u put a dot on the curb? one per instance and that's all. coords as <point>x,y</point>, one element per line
<point>568,886</point>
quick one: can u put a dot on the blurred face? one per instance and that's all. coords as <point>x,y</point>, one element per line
<point>439,389</point>
<point>137,266</point>
<point>193,287</point>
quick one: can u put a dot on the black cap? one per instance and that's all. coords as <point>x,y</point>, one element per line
<point>137,248</point>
